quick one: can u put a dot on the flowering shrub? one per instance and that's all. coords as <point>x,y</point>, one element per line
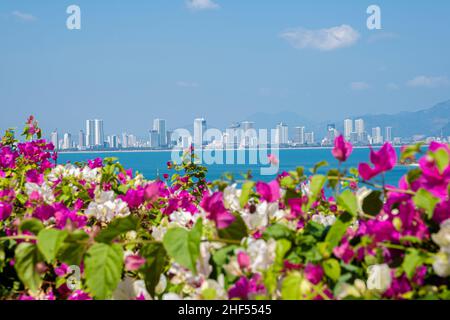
<point>97,231</point>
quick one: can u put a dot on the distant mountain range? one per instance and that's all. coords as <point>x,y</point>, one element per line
<point>430,122</point>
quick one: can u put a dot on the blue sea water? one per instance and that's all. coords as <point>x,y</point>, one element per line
<point>150,164</point>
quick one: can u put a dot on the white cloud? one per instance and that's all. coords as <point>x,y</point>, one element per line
<point>23,16</point>
<point>187,84</point>
<point>428,82</point>
<point>197,5</point>
<point>359,86</point>
<point>322,39</point>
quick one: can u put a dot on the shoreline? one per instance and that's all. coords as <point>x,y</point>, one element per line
<point>181,150</point>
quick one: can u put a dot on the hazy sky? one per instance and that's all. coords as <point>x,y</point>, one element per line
<point>224,60</point>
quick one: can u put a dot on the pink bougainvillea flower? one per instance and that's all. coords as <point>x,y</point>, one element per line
<point>5,210</point>
<point>134,197</point>
<point>7,158</point>
<point>96,163</point>
<point>246,289</point>
<point>134,262</point>
<point>213,205</point>
<point>383,160</point>
<point>269,192</point>
<point>344,252</point>
<point>243,260</point>
<point>314,273</point>
<point>153,190</point>
<point>34,176</point>
<point>79,295</point>
<point>342,149</point>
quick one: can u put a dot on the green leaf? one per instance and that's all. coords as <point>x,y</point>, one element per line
<point>372,204</point>
<point>337,230</point>
<point>291,287</point>
<point>282,248</point>
<point>332,269</point>
<point>26,258</point>
<point>183,245</point>
<point>74,247</point>
<point>316,185</point>
<point>155,256</point>
<point>235,231</point>
<point>347,201</point>
<point>442,159</point>
<point>319,165</point>
<point>412,260</point>
<point>426,201</point>
<point>49,241</point>
<point>278,231</point>
<point>32,225</point>
<point>220,257</point>
<point>103,269</point>
<point>245,193</point>
<point>333,173</point>
<point>287,183</point>
<point>117,227</point>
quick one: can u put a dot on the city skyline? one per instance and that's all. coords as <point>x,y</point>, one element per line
<point>238,135</point>
<point>250,58</point>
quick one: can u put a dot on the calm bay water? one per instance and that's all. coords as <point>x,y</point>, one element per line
<point>152,163</point>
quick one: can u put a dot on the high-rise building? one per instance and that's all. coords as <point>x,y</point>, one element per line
<point>359,126</point>
<point>113,141</point>
<point>55,139</point>
<point>331,132</point>
<point>377,138</point>
<point>169,140</point>
<point>282,134</point>
<point>360,131</point>
<point>132,141</point>
<point>199,131</point>
<point>348,128</point>
<point>67,141</point>
<point>309,138</point>
<point>81,139</point>
<point>99,133</point>
<point>160,126</point>
<point>154,139</point>
<point>388,134</point>
<point>124,140</point>
<point>90,133</point>
<point>299,135</point>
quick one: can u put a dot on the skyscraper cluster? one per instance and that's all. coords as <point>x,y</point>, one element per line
<point>238,135</point>
<point>357,134</point>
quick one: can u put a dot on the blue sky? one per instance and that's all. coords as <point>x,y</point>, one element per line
<point>224,60</point>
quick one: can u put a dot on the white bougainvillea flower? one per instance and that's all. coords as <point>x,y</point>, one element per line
<point>231,198</point>
<point>180,218</point>
<point>325,220</point>
<point>105,208</point>
<point>44,191</point>
<point>261,253</point>
<point>442,238</point>
<point>441,264</point>
<point>130,289</point>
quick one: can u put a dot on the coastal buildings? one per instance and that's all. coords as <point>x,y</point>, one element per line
<point>90,133</point>
<point>159,125</point>
<point>199,131</point>
<point>237,136</point>
<point>54,139</point>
